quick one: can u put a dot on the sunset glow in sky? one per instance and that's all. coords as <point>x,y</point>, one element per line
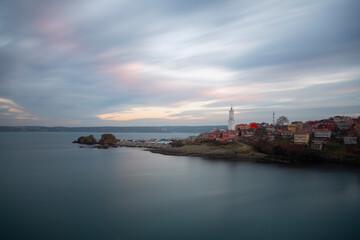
<point>164,62</point>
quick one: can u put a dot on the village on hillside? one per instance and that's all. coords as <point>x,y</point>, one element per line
<point>329,140</point>
<point>336,131</point>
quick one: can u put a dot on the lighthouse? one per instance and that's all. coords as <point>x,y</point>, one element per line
<point>231,122</point>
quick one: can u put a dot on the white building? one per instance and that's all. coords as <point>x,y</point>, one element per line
<point>322,133</point>
<point>350,140</point>
<point>231,122</point>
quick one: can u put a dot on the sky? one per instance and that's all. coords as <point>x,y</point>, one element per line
<point>165,62</point>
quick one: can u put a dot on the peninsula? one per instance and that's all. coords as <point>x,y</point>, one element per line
<point>240,149</point>
<point>329,140</point>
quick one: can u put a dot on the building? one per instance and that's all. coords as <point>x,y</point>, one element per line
<point>213,136</point>
<point>286,134</point>
<point>308,130</point>
<point>229,135</point>
<point>203,136</point>
<point>292,127</point>
<point>311,124</point>
<point>350,140</point>
<point>269,128</point>
<point>247,133</point>
<point>243,126</point>
<point>317,144</point>
<point>298,123</point>
<point>322,133</point>
<point>283,134</point>
<point>301,138</point>
<point>231,122</point>
<point>326,124</point>
<point>254,125</point>
<point>210,135</point>
<point>343,122</point>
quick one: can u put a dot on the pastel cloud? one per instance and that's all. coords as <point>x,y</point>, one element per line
<point>8,101</point>
<point>126,62</point>
<point>11,110</point>
<point>169,112</point>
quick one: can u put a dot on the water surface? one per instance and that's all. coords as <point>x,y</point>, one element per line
<point>52,189</point>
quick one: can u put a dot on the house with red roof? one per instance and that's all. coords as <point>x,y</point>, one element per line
<point>229,135</point>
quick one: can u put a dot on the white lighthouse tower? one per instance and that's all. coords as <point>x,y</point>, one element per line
<point>231,122</point>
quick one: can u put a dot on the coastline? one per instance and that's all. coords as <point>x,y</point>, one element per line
<point>229,155</point>
<point>207,152</point>
<point>231,151</point>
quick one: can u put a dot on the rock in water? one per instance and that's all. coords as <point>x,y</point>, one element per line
<point>108,139</point>
<point>86,140</point>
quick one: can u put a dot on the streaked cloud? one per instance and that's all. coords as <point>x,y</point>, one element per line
<point>8,101</point>
<point>10,110</point>
<point>153,112</point>
<point>160,62</point>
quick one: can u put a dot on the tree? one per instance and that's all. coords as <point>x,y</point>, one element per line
<point>281,121</point>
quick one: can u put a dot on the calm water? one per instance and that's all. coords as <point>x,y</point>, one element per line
<point>52,189</point>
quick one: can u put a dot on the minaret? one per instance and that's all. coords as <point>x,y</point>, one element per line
<point>231,122</point>
<point>273,119</point>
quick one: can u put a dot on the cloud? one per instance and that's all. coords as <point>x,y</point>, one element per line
<point>8,101</point>
<point>11,110</point>
<point>153,112</point>
<point>26,117</point>
<point>119,62</point>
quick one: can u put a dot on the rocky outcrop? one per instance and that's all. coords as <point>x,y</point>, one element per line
<point>86,140</point>
<point>108,139</point>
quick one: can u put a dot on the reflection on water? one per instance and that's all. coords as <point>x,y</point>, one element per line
<point>51,189</point>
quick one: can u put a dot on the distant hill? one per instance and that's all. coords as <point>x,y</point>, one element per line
<point>163,129</point>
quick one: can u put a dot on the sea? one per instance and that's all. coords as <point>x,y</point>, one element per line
<point>51,188</point>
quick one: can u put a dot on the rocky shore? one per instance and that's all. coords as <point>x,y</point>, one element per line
<point>210,152</point>
<point>167,147</point>
<point>263,152</point>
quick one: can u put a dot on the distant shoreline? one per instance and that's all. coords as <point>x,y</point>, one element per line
<point>135,129</point>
